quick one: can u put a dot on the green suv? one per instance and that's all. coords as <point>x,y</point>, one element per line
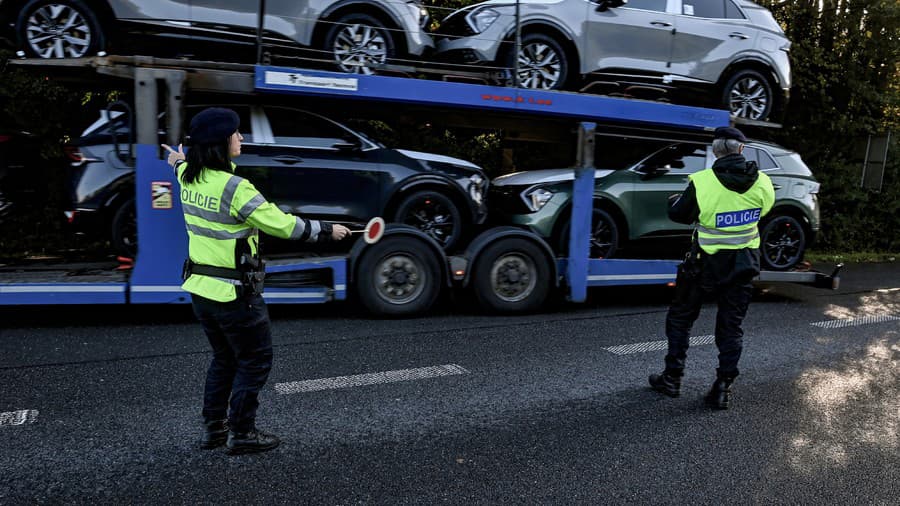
<point>631,202</point>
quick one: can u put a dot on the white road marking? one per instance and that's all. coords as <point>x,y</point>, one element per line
<point>20,417</point>
<point>374,378</point>
<point>855,322</point>
<point>627,349</point>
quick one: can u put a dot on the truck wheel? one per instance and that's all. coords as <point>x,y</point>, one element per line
<point>398,276</point>
<point>59,29</point>
<point>511,276</point>
<point>124,229</point>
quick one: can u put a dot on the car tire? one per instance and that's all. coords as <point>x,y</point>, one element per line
<point>398,276</point>
<point>534,48</point>
<point>433,213</point>
<point>34,21</point>
<point>782,243</point>
<point>124,229</point>
<point>341,43</point>
<point>748,94</point>
<point>511,275</point>
<point>604,235</point>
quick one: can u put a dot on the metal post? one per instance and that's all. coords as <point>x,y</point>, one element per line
<point>582,209</point>
<point>146,106</point>
<point>517,48</point>
<point>259,31</point>
<point>175,86</point>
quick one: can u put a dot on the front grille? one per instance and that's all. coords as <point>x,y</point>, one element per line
<point>455,25</point>
<point>506,200</point>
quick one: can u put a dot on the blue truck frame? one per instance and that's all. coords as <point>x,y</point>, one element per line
<point>156,274</point>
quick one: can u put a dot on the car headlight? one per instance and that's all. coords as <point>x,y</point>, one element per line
<point>420,11</point>
<point>481,19</point>
<point>476,188</point>
<point>537,198</point>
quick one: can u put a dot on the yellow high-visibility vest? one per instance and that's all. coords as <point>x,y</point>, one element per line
<point>728,219</point>
<point>222,211</point>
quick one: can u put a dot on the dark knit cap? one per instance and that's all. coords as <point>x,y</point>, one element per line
<point>213,125</point>
<point>730,133</point>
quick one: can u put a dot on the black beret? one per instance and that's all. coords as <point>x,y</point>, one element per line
<point>213,125</point>
<point>730,133</point>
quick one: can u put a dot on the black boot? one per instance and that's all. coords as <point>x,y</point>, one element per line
<point>216,434</point>
<point>252,441</point>
<point>719,396</point>
<point>666,383</point>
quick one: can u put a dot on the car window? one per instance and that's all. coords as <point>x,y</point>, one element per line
<point>704,8</point>
<point>732,11</point>
<point>292,127</point>
<point>793,164</point>
<point>677,159</point>
<point>647,5</point>
<point>765,161</point>
<point>751,154</point>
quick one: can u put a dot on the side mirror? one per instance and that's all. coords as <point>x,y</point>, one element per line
<point>605,5</point>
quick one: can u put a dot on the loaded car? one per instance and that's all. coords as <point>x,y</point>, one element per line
<point>353,34</point>
<point>732,52</point>
<point>307,164</point>
<point>631,203</point>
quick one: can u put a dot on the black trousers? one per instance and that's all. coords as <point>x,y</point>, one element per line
<point>241,340</point>
<point>732,298</point>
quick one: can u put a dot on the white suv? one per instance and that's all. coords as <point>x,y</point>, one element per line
<point>352,34</point>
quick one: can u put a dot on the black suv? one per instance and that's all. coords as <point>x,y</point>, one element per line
<point>305,163</point>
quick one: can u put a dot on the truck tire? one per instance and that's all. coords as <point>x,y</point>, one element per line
<point>398,276</point>
<point>511,275</point>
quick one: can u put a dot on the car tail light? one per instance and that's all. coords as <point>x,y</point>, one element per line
<point>77,157</point>
<point>5,138</point>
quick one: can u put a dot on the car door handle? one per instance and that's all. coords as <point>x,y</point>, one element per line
<point>738,35</point>
<point>661,24</point>
<point>288,159</point>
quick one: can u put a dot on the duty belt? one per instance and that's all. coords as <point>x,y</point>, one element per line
<point>251,279</point>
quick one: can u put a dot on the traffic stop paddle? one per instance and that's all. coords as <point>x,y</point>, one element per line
<point>373,231</point>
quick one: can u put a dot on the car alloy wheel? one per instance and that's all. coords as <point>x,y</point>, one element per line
<point>604,239</point>
<point>783,242</point>
<point>542,63</point>
<point>357,42</point>
<point>432,213</point>
<point>58,29</point>
<point>749,95</point>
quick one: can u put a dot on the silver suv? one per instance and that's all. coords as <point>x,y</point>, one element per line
<point>352,34</point>
<point>733,51</point>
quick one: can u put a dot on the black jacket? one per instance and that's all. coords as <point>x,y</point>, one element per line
<point>726,266</point>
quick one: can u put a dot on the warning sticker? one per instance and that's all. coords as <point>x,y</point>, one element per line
<point>162,195</point>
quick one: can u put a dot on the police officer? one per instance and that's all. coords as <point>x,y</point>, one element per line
<point>223,214</point>
<point>727,202</point>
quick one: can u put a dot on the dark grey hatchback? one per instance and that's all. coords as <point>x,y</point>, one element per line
<point>302,161</point>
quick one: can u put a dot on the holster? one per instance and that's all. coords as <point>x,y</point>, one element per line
<point>251,273</point>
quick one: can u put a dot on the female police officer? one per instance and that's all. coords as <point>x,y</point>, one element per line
<point>223,214</point>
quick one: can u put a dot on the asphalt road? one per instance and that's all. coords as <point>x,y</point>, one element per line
<point>101,405</point>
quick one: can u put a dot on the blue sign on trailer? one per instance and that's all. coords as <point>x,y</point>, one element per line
<point>559,104</point>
